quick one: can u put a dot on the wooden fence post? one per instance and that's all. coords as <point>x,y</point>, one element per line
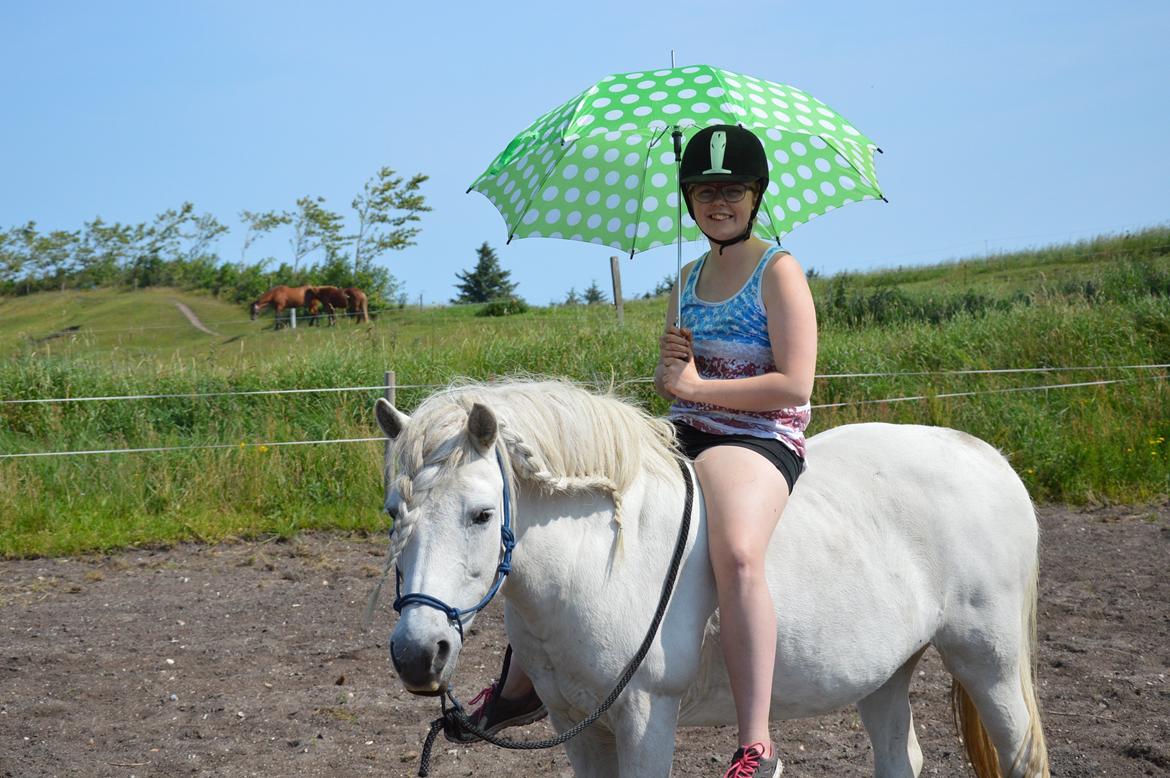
<point>389,393</point>
<point>292,317</point>
<point>615,270</point>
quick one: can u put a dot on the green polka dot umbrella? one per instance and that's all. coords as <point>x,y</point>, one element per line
<point>602,168</point>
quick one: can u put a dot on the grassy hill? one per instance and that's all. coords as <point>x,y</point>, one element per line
<point>1101,303</point>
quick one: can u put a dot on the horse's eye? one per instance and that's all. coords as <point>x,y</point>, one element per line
<point>482,516</point>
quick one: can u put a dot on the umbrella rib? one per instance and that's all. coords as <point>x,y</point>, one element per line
<point>642,189</point>
<point>854,168</point>
<point>539,186</point>
<point>771,222</point>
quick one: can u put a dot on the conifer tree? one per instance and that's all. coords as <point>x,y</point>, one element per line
<point>594,295</point>
<point>487,281</point>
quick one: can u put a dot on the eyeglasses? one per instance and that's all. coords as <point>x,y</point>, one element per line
<point>731,193</point>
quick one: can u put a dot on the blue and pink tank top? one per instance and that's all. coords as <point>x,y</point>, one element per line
<point>731,341</point>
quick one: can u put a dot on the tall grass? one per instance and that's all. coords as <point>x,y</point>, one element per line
<point>1100,443</point>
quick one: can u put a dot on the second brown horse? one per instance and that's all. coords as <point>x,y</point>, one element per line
<point>331,297</point>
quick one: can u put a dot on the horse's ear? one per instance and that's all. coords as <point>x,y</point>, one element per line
<point>390,419</point>
<point>482,427</point>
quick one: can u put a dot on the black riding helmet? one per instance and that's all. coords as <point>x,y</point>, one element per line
<point>725,153</point>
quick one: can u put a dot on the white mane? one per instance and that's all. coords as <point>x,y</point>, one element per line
<point>556,435</point>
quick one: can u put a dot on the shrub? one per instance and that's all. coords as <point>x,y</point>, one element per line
<point>505,306</point>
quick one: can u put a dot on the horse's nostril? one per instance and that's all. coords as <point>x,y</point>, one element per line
<point>442,652</point>
<point>394,659</point>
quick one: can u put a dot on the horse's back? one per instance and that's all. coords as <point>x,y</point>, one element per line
<point>889,527</point>
<point>333,295</point>
<point>287,296</point>
<point>907,474</point>
<point>939,496</point>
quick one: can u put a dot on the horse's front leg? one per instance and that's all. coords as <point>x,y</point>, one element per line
<point>643,746</point>
<point>593,753</point>
<point>645,727</point>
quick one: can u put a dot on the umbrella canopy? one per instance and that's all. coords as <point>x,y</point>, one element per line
<point>602,167</point>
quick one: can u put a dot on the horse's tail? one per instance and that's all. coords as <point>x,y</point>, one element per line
<point>1031,761</point>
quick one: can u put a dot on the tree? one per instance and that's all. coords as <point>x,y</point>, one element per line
<point>257,223</point>
<point>594,295</point>
<point>572,298</point>
<point>12,257</point>
<point>54,256</point>
<point>199,236</point>
<point>24,240</point>
<point>385,208</point>
<point>665,286</point>
<point>487,282</point>
<point>162,238</point>
<point>314,227</point>
<point>102,250</point>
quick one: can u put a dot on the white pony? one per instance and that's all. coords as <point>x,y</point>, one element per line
<point>897,537</point>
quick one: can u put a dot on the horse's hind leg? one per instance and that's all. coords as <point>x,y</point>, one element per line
<point>994,699</point>
<point>996,691</point>
<point>889,721</point>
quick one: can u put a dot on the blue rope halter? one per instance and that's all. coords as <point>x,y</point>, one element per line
<point>507,540</point>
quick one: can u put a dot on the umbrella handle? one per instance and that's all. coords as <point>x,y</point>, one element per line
<point>676,136</point>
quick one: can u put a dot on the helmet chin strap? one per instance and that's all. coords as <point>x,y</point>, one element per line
<point>746,233</point>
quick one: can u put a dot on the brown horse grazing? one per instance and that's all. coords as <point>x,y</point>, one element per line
<point>280,297</point>
<point>358,306</point>
<point>329,296</point>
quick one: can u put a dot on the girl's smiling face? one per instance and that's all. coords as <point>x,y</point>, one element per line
<point>719,218</point>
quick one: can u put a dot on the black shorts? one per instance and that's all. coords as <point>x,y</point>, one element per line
<point>693,442</point>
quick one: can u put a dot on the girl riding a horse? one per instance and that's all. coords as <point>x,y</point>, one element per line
<point>740,377</point>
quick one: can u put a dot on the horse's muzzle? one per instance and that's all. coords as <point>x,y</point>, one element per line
<point>423,669</point>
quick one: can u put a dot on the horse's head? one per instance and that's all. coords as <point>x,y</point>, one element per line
<point>448,505</point>
<point>255,310</point>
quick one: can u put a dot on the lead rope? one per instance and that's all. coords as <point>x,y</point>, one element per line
<point>455,717</point>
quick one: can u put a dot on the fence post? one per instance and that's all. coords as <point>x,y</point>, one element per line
<point>389,393</point>
<point>616,271</point>
<point>292,317</point>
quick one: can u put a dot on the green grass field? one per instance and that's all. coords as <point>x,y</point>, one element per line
<point>1105,302</point>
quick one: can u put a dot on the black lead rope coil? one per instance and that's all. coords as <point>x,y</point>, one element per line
<point>455,717</point>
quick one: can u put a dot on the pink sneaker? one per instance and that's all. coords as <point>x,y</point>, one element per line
<point>750,763</point>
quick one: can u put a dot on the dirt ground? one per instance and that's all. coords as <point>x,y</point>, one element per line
<point>248,660</point>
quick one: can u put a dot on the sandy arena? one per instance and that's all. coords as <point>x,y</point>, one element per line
<point>247,659</point>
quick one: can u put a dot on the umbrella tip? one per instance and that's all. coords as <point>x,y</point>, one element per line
<point>469,189</point>
<point>879,150</point>
<point>510,239</point>
<point>884,200</point>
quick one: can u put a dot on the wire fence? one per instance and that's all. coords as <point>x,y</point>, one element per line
<point>851,403</point>
<point>627,382</point>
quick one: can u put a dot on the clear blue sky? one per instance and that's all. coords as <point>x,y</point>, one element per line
<point>1004,123</point>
